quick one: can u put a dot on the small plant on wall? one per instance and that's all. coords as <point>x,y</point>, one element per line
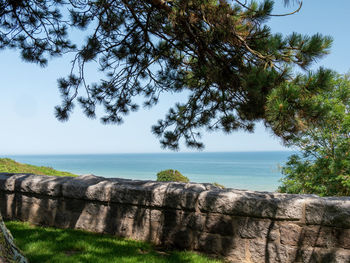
<point>171,176</point>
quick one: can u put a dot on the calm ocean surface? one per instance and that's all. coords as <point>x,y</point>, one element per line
<point>241,170</point>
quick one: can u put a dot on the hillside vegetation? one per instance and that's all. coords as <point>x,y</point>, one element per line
<point>8,165</point>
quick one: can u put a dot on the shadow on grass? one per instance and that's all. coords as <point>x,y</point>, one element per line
<point>66,245</point>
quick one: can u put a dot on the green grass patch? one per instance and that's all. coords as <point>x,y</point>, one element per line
<point>10,166</point>
<point>46,244</point>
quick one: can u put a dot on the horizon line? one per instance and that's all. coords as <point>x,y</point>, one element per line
<point>167,152</point>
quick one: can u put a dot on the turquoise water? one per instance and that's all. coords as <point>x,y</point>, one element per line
<point>240,170</point>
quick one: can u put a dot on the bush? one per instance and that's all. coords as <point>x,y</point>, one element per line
<point>171,176</point>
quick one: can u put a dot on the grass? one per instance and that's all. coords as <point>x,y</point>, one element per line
<point>10,166</point>
<point>53,245</point>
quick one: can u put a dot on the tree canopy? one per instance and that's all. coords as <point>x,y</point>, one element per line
<point>221,52</point>
<point>323,165</point>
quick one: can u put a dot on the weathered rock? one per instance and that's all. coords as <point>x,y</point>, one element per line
<point>328,212</point>
<point>319,255</point>
<point>290,234</point>
<point>219,224</point>
<point>254,204</point>
<point>254,228</point>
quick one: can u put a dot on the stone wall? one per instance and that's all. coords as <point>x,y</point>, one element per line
<point>242,226</point>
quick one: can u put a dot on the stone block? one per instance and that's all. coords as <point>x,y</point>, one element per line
<point>263,251</point>
<point>319,255</point>
<point>216,244</point>
<point>38,211</point>
<point>41,184</point>
<point>7,182</point>
<point>219,224</point>
<point>182,196</point>
<point>290,234</point>
<point>7,205</point>
<point>147,194</point>
<point>343,238</point>
<point>318,236</point>
<point>76,187</point>
<point>255,228</point>
<point>239,252</point>
<point>253,204</point>
<point>328,212</point>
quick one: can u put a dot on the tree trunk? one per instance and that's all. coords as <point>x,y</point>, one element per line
<point>9,253</point>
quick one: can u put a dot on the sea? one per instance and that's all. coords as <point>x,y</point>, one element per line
<point>258,171</point>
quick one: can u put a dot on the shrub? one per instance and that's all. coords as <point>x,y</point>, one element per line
<point>171,176</point>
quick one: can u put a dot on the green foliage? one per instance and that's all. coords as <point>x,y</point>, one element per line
<point>53,245</point>
<point>10,166</point>
<point>219,185</point>
<point>171,176</point>
<point>36,28</point>
<point>323,167</point>
<point>222,53</point>
<point>297,103</point>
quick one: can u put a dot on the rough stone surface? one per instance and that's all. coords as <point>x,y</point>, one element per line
<point>255,204</point>
<point>242,226</point>
<point>328,211</point>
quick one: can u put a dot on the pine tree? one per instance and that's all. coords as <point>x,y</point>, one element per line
<point>220,52</point>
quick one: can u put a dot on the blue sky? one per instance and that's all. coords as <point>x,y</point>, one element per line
<point>29,94</point>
